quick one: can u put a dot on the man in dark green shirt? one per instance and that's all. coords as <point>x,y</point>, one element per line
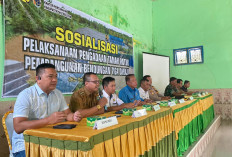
<point>179,85</point>
<point>171,90</point>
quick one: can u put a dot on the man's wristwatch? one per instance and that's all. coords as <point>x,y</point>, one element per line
<point>99,107</point>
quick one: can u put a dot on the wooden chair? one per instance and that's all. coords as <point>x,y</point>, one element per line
<point>7,122</point>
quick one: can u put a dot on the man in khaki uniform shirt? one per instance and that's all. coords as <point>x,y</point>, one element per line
<point>83,99</point>
<point>153,92</point>
<point>86,100</point>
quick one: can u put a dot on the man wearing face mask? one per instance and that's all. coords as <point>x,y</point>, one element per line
<point>86,100</point>
<point>113,102</point>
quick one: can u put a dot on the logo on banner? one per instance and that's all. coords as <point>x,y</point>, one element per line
<point>37,3</point>
<point>26,1</point>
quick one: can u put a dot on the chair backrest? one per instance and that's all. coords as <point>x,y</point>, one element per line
<point>7,122</point>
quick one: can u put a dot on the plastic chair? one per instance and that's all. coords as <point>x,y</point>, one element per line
<point>7,122</point>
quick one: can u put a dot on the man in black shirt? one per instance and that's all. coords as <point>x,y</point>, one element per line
<point>185,87</point>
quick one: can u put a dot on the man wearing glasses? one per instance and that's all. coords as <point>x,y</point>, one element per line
<point>86,100</point>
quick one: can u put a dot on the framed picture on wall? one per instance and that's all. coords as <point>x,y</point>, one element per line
<point>180,56</point>
<point>189,55</point>
<point>195,55</point>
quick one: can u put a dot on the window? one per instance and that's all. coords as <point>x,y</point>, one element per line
<point>190,55</point>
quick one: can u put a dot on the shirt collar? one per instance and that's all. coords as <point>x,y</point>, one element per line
<point>130,89</point>
<point>151,87</point>
<point>40,91</point>
<point>142,89</point>
<point>88,92</point>
<point>184,87</point>
<point>105,94</point>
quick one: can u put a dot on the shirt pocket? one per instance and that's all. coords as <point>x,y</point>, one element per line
<point>132,99</point>
<point>34,104</point>
<point>114,101</point>
<point>37,109</point>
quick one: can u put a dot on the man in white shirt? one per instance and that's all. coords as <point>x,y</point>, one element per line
<point>39,105</point>
<point>143,90</point>
<point>113,101</point>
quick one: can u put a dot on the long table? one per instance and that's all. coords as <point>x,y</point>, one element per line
<point>191,119</point>
<point>165,133</point>
<point>151,135</point>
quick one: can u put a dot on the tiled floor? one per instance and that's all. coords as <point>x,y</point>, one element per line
<point>221,144</point>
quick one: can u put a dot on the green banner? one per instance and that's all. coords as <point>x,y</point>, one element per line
<point>48,31</point>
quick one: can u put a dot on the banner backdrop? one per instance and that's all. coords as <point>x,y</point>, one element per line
<point>48,31</point>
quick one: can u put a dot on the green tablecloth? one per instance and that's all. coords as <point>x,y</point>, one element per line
<point>197,125</point>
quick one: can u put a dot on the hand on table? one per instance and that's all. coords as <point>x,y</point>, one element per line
<point>136,102</point>
<point>56,117</point>
<point>130,105</point>
<point>165,98</point>
<point>148,101</point>
<point>77,116</point>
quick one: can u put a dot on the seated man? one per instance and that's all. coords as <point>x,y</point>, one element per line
<point>130,93</point>
<point>39,105</point>
<point>186,86</point>
<point>86,100</point>
<point>171,90</point>
<point>143,90</point>
<point>179,85</point>
<point>113,102</point>
<point>153,92</point>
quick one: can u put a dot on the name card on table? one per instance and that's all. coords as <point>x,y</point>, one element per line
<point>139,113</point>
<point>104,123</point>
<point>156,107</point>
<point>199,95</point>
<point>157,102</point>
<point>190,98</point>
<point>181,101</point>
<point>172,103</point>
